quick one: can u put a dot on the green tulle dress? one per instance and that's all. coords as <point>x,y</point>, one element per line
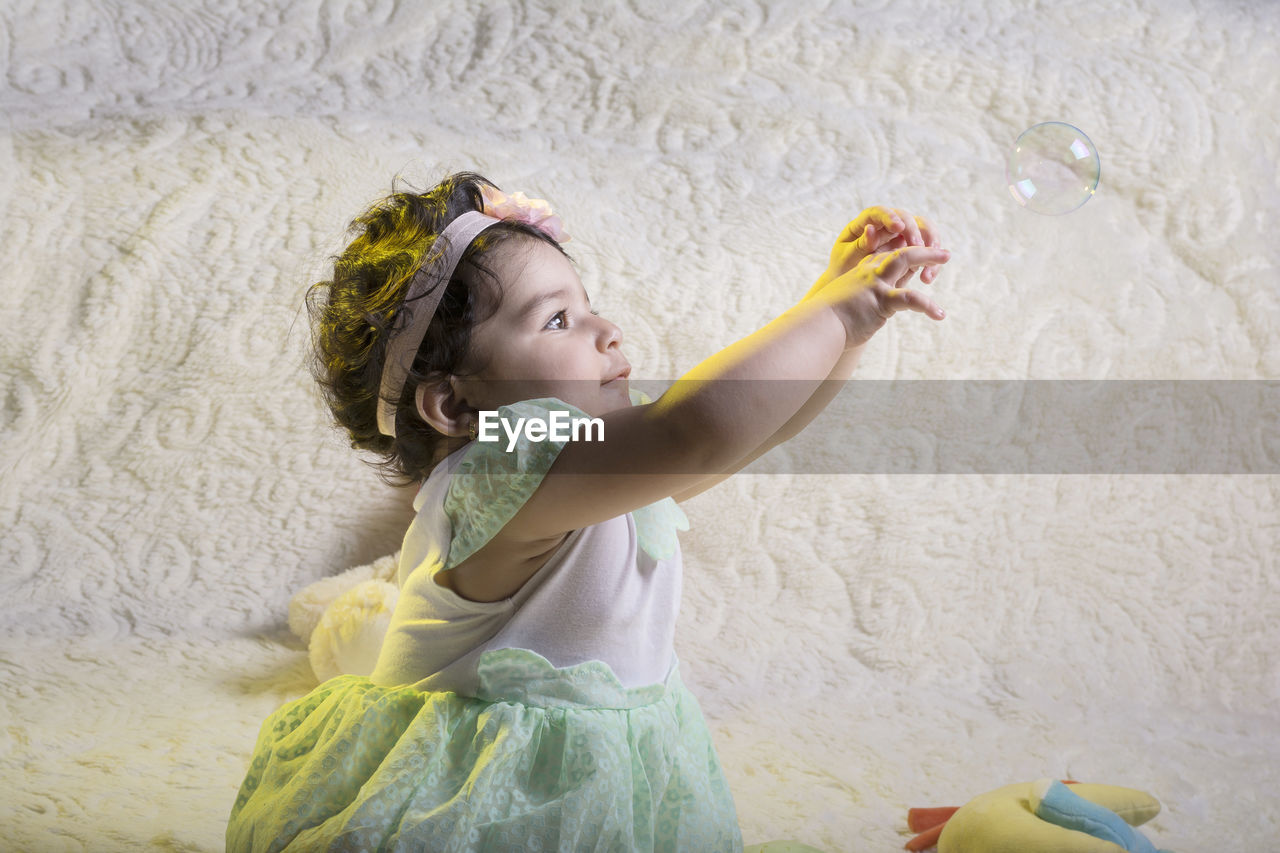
<point>540,759</point>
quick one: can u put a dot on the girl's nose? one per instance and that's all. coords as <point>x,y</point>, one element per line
<point>610,334</point>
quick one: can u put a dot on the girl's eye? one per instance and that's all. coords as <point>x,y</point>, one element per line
<point>596,312</point>
<point>560,318</point>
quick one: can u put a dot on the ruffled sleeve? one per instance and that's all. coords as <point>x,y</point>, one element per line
<point>656,526</point>
<point>492,482</point>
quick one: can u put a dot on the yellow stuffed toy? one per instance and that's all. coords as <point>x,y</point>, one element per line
<point>343,619</point>
<point>1039,816</point>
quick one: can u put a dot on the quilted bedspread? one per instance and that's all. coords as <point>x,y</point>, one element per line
<point>869,625</point>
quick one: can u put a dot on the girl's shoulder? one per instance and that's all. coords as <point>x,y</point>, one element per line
<point>492,477</point>
<point>491,481</point>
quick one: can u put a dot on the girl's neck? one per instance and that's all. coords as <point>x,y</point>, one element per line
<point>445,448</point>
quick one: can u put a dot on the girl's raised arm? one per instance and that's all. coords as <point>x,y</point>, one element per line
<point>720,410</point>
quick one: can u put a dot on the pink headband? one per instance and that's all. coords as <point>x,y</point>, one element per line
<point>428,286</point>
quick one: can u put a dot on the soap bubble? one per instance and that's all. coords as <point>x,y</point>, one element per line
<point>1053,168</point>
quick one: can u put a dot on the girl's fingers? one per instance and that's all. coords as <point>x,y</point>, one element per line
<point>928,233</point>
<point>905,299</point>
<point>883,218</point>
<point>931,238</point>
<point>892,266</point>
<point>884,229</point>
<point>912,230</point>
<point>879,241</point>
<point>919,231</point>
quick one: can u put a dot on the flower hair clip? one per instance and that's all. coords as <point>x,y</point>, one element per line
<point>518,207</point>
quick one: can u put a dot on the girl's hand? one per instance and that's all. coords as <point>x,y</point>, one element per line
<point>866,296</point>
<point>879,229</point>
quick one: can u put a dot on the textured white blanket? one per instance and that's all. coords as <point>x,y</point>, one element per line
<point>174,175</point>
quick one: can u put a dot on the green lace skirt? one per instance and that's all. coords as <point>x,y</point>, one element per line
<point>542,759</point>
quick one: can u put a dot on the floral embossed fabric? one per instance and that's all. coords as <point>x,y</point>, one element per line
<point>543,759</point>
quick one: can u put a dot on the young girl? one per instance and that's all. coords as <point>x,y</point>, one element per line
<point>528,696</point>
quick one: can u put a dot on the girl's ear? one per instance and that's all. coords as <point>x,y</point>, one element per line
<point>440,406</point>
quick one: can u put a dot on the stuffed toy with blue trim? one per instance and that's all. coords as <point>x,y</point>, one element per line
<point>1047,815</point>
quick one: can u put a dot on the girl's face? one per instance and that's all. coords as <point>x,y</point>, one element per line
<point>544,341</point>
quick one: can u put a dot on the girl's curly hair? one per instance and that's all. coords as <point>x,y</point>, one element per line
<point>354,314</point>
